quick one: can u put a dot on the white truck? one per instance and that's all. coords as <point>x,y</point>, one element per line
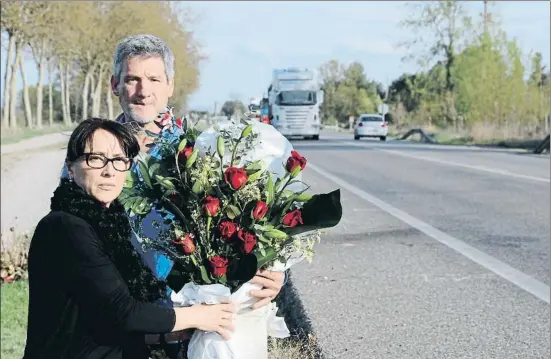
<point>295,98</point>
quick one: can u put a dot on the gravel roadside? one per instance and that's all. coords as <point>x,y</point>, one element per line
<point>30,172</point>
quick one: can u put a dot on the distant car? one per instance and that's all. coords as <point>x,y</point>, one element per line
<point>254,109</point>
<point>371,125</point>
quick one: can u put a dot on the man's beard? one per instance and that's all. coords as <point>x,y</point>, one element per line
<point>131,115</point>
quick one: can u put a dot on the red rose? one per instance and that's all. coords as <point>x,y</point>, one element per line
<point>248,239</point>
<point>187,243</point>
<point>218,265</point>
<point>186,152</point>
<point>293,218</point>
<point>235,177</point>
<point>295,161</point>
<point>260,210</point>
<point>211,205</point>
<point>227,229</point>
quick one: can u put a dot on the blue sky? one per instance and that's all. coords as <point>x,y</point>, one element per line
<point>244,41</point>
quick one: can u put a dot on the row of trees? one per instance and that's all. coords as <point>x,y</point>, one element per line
<point>72,46</point>
<point>473,79</point>
<point>348,92</point>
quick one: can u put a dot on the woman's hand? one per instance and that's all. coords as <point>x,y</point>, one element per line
<point>216,318</point>
<point>207,317</point>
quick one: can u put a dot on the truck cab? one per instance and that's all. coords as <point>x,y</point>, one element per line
<point>295,98</point>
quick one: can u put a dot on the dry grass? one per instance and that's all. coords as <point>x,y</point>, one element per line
<point>293,348</point>
<point>14,256</point>
<point>486,134</point>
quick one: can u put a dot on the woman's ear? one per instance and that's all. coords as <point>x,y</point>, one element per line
<point>70,173</point>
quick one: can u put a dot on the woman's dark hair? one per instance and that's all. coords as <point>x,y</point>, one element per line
<point>83,135</point>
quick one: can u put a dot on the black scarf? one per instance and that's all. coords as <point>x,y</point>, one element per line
<point>113,228</point>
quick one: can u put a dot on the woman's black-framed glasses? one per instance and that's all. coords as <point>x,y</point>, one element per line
<point>98,161</point>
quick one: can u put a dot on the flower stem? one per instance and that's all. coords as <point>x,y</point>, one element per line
<point>281,191</point>
<point>178,168</point>
<point>234,151</point>
<point>176,211</point>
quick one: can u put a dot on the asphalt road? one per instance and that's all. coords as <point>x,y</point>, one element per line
<point>443,252</point>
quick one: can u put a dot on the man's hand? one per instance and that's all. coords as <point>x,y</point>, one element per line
<point>271,283</point>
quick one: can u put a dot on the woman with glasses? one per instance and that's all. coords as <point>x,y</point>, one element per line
<point>91,295</point>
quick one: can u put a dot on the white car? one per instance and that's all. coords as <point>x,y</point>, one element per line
<point>371,125</point>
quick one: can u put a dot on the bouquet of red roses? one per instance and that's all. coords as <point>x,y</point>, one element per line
<point>227,214</point>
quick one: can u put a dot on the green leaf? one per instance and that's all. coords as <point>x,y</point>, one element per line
<point>182,145</point>
<point>254,167</point>
<point>262,259</point>
<point>144,173</point>
<point>296,171</point>
<point>223,279</point>
<point>232,211</point>
<point>275,234</point>
<point>255,176</point>
<point>132,202</point>
<point>303,197</point>
<point>153,169</point>
<point>287,193</point>
<point>140,207</point>
<point>220,146</point>
<point>197,187</point>
<point>279,183</point>
<point>167,184</point>
<point>131,179</point>
<point>264,228</point>
<point>322,211</point>
<point>243,122</point>
<point>192,158</point>
<point>264,240</point>
<point>270,191</point>
<point>126,205</point>
<point>287,204</point>
<point>246,131</point>
<point>204,275</point>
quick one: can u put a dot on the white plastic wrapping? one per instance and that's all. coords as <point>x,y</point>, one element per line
<point>250,340</point>
<point>271,147</point>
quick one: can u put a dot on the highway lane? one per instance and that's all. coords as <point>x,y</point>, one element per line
<point>384,288</point>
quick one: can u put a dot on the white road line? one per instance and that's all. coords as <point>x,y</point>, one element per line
<point>518,278</point>
<point>463,165</point>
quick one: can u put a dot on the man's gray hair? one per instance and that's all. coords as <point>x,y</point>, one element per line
<point>143,46</point>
